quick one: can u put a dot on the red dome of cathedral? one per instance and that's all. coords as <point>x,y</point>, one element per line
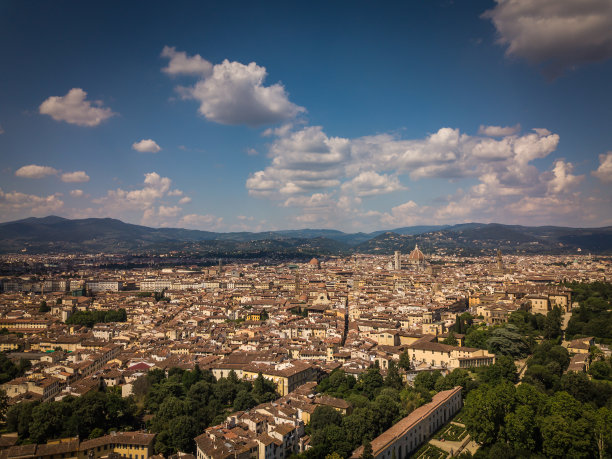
<point>416,256</point>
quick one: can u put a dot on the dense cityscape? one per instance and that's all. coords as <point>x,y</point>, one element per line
<point>306,230</point>
<point>277,360</point>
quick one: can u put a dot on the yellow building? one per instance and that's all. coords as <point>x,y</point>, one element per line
<point>132,445</point>
<point>253,316</point>
<point>286,375</point>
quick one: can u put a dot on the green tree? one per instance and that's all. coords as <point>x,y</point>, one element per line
<point>3,404</point>
<point>563,437</point>
<point>552,325</point>
<point>264,390</point>
<point>360,424</point>
<point>367,451</point>
<point>95,433</point>
<point>404,361</point>
<point>323,416</point>
<point>43,307</point>
<point>8,370</point>
<point>600,370</point>
<point>182,431</point>
<point>485,409</point>
<point>520,428</point>
<point>507,341</point>
<point>19,418</point>
<point>244,401</point>
<point>457,377</point>
<point>450,339</point>
<point>393,378</point>
<point>386,410</point>
<point>171,408</point>
<point>528,395</point>
<point>477,337</point>
<point>503,368</point>
<point>370,382</point>
<point>426,380</point>
<point>603,432</point>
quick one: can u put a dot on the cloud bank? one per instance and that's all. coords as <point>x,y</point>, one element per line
<point>557,34</point>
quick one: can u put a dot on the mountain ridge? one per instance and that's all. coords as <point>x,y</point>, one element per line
<point>56,234</point>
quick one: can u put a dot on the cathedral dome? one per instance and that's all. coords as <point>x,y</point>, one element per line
<point>416,256</point>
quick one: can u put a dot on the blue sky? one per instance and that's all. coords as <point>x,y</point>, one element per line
<point>359,116</point>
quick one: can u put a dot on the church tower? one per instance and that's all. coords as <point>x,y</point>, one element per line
<point>500,262</point>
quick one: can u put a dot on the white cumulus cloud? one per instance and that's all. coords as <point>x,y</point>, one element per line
<point>14,204</point>
<point>181,64</point>
<point>169,211</point>
<point>604,171</point>
<point>308,160</point>
<point>326,177</point>
<point>232,93</point>
<point>155,187</point>
<point>74,109</point>
<point>34,171</point>
<point>76,193</point>
<point>370,183</point>
<point>202,222</point>
<point>563,180</point>
<point>146,146</point>
<point>75,177</point>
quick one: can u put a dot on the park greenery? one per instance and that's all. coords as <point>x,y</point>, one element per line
<point>523,421</point>
<point>88,416</point>
<point>184,403</point>
<point>180,405</point>
<point>8,370</point>
<point>593,316</point>
<point>90,318</point>
<point>516,338</point>
<point>549,412</point>
<point>552,413</point>
<point>378,402</point>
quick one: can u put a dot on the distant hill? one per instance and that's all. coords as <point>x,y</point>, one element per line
<point>55,234</point>
<point>479,238</point>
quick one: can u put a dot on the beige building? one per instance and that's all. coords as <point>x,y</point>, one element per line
<point>286,375</point>
<point>444,355</point>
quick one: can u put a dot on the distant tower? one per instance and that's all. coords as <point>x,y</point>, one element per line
<point>398,262</point>
<point>219,269</point>
<point>500,262</point>
<point>297,284</point>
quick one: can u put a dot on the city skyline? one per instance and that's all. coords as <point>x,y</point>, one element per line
<point>357,117</point>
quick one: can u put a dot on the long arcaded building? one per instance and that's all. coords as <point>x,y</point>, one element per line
<point>408,434</point>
